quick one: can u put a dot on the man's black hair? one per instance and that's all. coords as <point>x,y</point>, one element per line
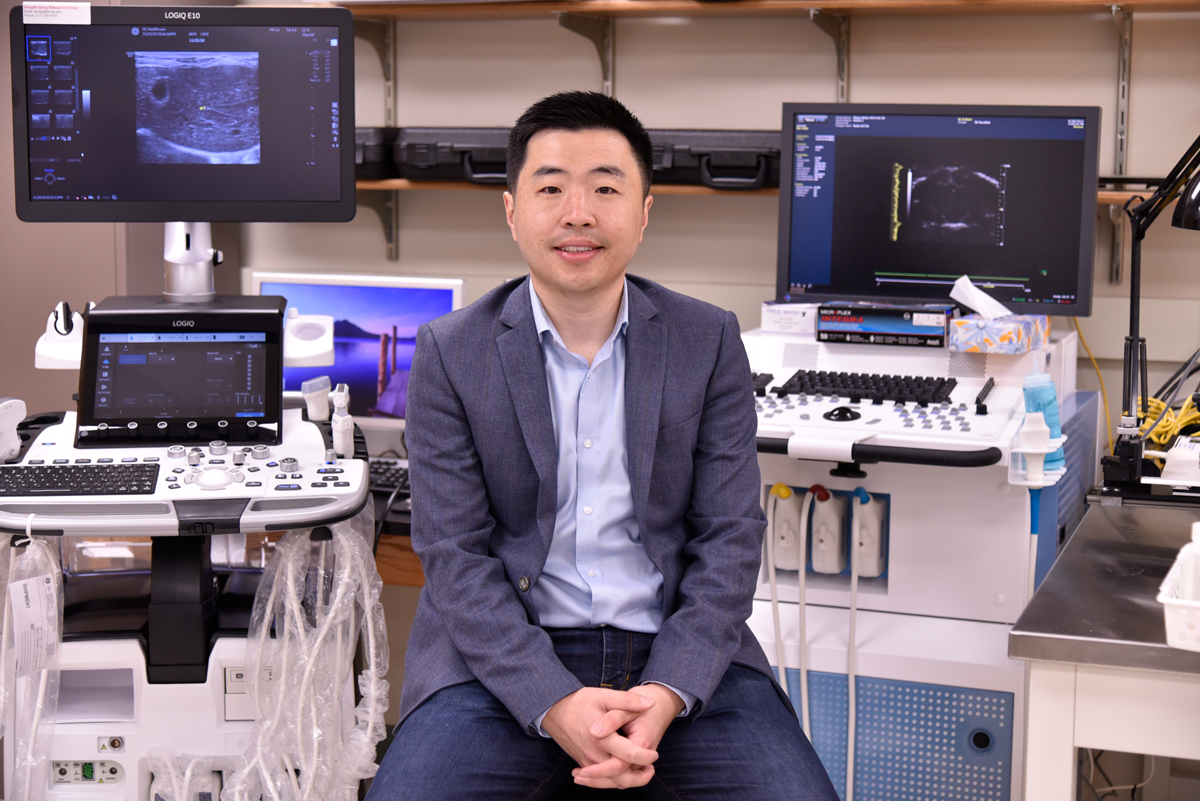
<point>578,111</point>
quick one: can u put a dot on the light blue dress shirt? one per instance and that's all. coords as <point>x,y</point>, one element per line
<point>597,572</point>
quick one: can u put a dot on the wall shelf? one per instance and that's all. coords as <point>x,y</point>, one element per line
<point>534,9</point>
<point>1104,197</point>
<point>405,185</point>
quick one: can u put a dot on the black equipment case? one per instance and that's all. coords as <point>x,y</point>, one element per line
<point>374,157</point>
<point>717,159</point>
<point>474,155</point>
<point>730,160</point>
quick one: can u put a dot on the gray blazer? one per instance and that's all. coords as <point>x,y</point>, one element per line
<point>484,487</point>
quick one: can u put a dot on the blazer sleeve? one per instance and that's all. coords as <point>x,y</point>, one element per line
<point>451,529</point>
<point>725,525</point>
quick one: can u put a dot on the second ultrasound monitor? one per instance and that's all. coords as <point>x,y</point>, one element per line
<point>895,202</point>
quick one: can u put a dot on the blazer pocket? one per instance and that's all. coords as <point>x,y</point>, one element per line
<point>677,430</point>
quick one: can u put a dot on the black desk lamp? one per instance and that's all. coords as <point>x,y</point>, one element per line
<point>1124,467</point>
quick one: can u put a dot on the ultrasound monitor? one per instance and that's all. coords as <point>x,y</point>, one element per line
<point>376,318</point>
<point>152,114</point>
<point>184,116</point>
<point>893,203</point>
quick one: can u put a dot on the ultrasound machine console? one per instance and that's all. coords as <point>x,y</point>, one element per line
<point>901,541</point>
<point>180,430</point>
<point>186,116</point>
<point>890,205</point>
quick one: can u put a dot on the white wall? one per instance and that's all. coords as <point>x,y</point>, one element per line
<point>716,73</point>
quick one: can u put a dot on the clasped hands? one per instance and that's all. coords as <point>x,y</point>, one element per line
<point>613,735</point>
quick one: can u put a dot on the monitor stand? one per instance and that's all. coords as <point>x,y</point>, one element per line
<point>182,592</point>
<point>188,261</point>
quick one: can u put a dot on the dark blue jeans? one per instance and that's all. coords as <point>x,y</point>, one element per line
<point>463,744</point>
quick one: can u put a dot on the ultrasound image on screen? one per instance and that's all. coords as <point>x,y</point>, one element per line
<point>197,108</point>
<point>953,203</point>
<point>1003,209</point>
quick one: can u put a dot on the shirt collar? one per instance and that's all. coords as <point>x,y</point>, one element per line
<point>544,324</point>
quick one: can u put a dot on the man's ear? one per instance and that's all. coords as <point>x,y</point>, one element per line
<point>645,215</point>
<point>510,209</point>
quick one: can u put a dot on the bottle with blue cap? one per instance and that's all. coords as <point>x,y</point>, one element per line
<point>1040,397</point>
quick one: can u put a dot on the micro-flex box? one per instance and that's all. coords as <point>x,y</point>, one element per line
<point>884,324</point>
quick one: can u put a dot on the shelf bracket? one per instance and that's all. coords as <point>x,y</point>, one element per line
<point>385,203</point>
<point>837,26</point>
<point>381,33</point>
<point>602,32</point>
<point>1124,22</point>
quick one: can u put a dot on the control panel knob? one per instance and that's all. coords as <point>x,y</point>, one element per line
<point>217,447</point>
<point>330,456</point>
<point>261,452</point>
<point>194,458</point>
<point>239,457</point>
<point>176,452</point>
<point>289,465</point>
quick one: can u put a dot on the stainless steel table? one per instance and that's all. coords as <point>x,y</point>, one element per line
<point>1101,675</point>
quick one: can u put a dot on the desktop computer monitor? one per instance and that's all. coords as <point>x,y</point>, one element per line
<point>152,114</point>
<point>376,318</point>
<point>893,203</point>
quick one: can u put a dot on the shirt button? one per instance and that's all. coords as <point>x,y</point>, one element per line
<point>523,584</point>
<point>587,510</point>
<point>592,573</point>
<point>587,443</point>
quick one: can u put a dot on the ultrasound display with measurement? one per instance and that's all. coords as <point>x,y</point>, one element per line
<point>146,106</point>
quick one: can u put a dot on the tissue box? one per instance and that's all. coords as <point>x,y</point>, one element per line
<point>1015,334</point>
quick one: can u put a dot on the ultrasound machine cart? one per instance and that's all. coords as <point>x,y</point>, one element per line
<point>904,539</point>
<point>168,487</point>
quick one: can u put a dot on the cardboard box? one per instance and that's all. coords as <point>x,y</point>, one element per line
<point>789,318</point>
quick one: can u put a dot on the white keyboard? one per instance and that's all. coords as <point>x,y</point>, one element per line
<point>205,488</point>
<point>824,427</point>
<point>848,427</point>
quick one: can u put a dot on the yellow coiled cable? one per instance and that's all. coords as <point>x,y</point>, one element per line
<point>1171,423</point>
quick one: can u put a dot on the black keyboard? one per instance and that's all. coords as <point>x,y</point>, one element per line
<point>859,387</point>
<point>388,474</point>
<point>79,479</point>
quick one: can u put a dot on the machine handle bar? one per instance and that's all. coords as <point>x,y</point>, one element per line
<point>864,452</point>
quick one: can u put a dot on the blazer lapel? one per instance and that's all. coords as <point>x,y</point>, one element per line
<point>525,374</point>
<point>645,371</point>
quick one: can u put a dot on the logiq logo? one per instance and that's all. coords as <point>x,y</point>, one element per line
<point>181,15</point>
<point>183,323</point>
